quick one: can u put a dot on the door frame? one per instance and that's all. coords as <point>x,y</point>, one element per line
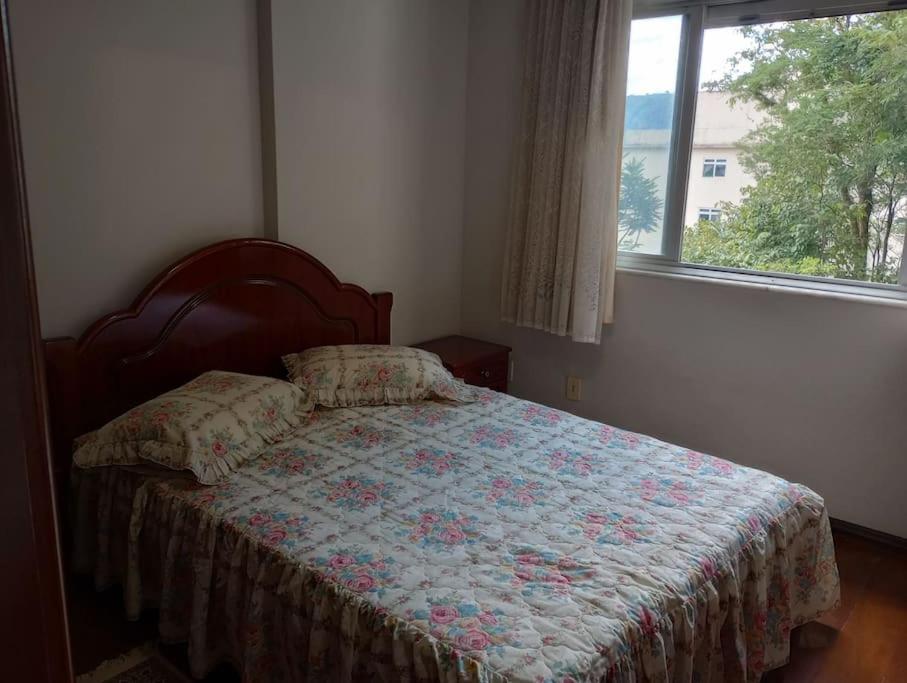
<point>34,638</point>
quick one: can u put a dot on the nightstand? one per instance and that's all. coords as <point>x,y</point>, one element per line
<point>472,360</point>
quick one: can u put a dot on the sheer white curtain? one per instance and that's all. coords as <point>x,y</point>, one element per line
<point>561,250</point>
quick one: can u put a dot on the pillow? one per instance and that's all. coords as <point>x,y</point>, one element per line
<point>366,375</point>
<point>209,426</point>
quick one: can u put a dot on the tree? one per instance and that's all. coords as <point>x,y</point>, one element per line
<point>639,211</point>
<point>830,159</point>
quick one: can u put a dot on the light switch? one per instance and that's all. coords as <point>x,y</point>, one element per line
<point>574,388</point>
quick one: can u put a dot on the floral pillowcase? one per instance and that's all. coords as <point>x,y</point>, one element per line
<point>209,426</point>
<point>362,375</point>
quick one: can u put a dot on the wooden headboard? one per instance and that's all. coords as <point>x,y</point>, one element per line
<point>237,305</point>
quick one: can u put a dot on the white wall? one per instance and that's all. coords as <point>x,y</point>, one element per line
<point>370,104</point>
<point>812,389</point>
<point>141,137</point>
<point>141,142</point>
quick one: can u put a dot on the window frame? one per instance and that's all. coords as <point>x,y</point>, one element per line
<point>698,16</point>
<point>713,164</point>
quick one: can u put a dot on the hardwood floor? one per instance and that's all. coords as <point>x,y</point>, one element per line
<point>863,641</point>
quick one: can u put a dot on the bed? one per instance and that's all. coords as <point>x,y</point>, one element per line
<point>498,540</point>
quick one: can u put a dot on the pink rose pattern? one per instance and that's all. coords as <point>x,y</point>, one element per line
<point>618,438</point>
<point>534,571</point>
<point>488,396</point>
<point>431,461</point>
<point>314,417</point>
<point>541,416</point>
<point>220,442</point>
<point>667,491</point>
<point>208,426</point>
<point>495,437</point>
<point>216,497</point>
<point>514,492</point>
<point>468,626</point>
<point>315,377</point>
<point>372,374</point>
<point>359,570</point>
<point>572,463</point>
<point>428,414</point>
<point>440,530</point>
<point>613,528</point>
<point>154,417</point>
<point>363,437</point>
<point>380,375</point>
<point>280,461</point>
<point>357,493</point>
<point>274,527</point>
<point>508,518</point>
<point>707,465</point>
<point>272,413</point>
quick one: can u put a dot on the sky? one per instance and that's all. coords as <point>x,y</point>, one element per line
<point>654,48</point>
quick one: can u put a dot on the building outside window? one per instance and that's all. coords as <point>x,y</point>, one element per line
<point>709,214</point>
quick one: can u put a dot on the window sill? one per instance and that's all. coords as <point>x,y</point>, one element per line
<point>886,295</point>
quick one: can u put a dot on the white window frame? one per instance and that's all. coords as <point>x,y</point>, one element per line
<point>699,15</point>
<point>714,164</point>
<point>708,213</point>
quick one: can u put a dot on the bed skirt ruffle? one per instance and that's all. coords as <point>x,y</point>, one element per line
<point>232,598</point>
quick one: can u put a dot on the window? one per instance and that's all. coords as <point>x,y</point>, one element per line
<point>714,168</point>
<point>806,103</point>
<point>648,133</point>
<point>709,214</point>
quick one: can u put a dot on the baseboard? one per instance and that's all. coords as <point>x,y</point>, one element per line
<point>869,534</point>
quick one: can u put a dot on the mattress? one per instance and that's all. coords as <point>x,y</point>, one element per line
<point>495,541</point>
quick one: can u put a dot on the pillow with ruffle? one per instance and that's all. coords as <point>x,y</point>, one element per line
<point>209,426</point>
<point>368,375</point>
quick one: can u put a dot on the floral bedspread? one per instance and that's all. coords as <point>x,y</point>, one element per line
<point>496,541</point>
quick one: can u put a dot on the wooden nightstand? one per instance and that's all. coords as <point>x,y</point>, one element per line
<point>474,361</point>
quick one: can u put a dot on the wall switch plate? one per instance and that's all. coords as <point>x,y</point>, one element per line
<point>574,388</point>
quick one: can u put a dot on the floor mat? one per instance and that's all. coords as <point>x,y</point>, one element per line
<point>144,664</point>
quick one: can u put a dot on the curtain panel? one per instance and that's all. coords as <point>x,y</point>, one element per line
<point>561,253</point>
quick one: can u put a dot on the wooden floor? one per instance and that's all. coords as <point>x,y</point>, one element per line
<point>863,641</point>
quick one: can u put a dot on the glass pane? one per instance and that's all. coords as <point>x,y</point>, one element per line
<point>648,128</point>
<point>809,117</point>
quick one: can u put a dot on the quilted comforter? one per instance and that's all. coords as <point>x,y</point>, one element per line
<point>497,541</point>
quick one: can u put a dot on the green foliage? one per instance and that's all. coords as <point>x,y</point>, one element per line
<point>639,211</point>
<point>724,243</point>
<point>830,158</point>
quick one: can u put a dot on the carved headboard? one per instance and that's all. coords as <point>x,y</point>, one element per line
<point>237,305</point>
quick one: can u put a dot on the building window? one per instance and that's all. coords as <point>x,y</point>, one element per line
<point>714,168</point>
<point>709,214</point>
<point>815,202</point>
